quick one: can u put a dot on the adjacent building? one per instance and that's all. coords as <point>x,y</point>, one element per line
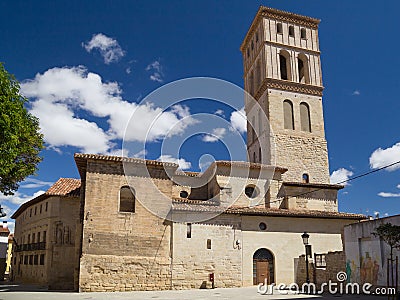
<point>134,224</point>
<point>4,233</point>
<point>44,237</point>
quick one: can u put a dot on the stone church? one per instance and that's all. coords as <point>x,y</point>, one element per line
<point>115,243</point>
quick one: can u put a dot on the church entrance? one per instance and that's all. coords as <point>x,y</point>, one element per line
<point>263,267</point>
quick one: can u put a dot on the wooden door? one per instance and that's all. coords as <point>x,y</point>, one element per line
<point>262,268</point>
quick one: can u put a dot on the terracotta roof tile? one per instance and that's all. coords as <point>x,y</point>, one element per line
<point>261,211</point>
<point>65,187</point>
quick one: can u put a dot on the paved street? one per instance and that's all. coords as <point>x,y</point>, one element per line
<point>32,293</point>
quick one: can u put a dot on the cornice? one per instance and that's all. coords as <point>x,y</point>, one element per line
<point>289,86</point>
<point>279,15</point>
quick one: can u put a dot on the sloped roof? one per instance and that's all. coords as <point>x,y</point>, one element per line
<point>262,211</point>
<point>66,187</point>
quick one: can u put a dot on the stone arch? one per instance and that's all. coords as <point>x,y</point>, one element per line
<point>263,266</point>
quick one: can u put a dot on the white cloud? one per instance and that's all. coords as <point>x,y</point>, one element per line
<point>157,72</point>
<point>61,93</point>
<point>33,183</point>
<point>398,186</point>
<point>108,47</point>
<point>141,154</point>
<point>128,70</point>
<point>238,120</point>
<point>383,157</point>
<point>219,112</point>
<point>18,198</point>
<point>183,164</point>
<point>341,175</point>
<point>389,195</point>
<point>217,134</point>
<point>11,226</point>
<point>356,93</point>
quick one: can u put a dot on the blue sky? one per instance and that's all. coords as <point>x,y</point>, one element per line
<point>147,44</point>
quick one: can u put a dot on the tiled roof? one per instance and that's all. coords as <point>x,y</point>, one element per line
<point>315,185</point>
<point>261,211</point>
<point>65,187</point>
<point>4,230</point>
<point>69,187</point>
<point>245,164</point>
<point>80,156</point>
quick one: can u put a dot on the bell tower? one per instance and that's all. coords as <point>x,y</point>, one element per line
<point>282,72</point>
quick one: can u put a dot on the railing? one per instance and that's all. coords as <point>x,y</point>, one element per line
<point>30,247</point>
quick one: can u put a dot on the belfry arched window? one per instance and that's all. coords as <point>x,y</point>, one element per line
<point>126,200</point>
<point>302,68</point>
<point>288,118</point>
<point>284,65</point>
<point>305,117</point>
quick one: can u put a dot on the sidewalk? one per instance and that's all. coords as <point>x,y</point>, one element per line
<point>8,291</point>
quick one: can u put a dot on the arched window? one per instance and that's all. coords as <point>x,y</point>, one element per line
<point>258,75</point>
<point>284,65</point>
<point>254,157</point>
<point>306,178</point>
<point>126,200</point>
<point>305,117</point>
<point>259,155</point>
<point>303,33</point>
<point>288,119</point>
<point>251,83</point>
<point>279,28</point>
<point>302,67</point>
<point>291,31</point>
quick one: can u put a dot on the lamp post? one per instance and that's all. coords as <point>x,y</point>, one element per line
<point>305,237</point>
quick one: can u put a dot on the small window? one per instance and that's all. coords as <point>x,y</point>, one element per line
<point>26,259</point>
<point>262,226</point>
<point>189,230</point>
<point>291,31</point>
<point>256,36</point>
<point>41,261</point>
<point>208,244</point>
<point>40,210</point>
<point>29,238</point>
<point>38,237</point>
<point>320,261</point>
<point>44,236</point>
<point>254,157</point>
<point>305,117</point>
<point>283,67</point>
<point>183,194</point>
<point>126,200</point>
<point>248,52</point>
<point>279,28</point>
<point>47,204</point>
<point>259,155</point>
<point>306,178</point>
<point>33,238</point>
<point>36,259</point>
<point>31,259</point>
<point>251,191</point>
<point>35,210</point>
<point>252,45</point>
<point>30,212</point>
<point>303,33</point>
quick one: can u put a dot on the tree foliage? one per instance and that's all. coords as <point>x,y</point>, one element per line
<point>20,140</point>
<point>390,234</point>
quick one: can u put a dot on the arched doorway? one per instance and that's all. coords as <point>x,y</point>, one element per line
<point>263,266</point>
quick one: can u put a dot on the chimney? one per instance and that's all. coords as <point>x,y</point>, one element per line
<point>5,224</point>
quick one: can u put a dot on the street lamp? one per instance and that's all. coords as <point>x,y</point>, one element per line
<point>305,237</point>
<point>2,213</point>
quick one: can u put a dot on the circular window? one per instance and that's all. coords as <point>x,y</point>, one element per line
<point>262,226</point>
<point>251,191</point>
<point>183,194</point>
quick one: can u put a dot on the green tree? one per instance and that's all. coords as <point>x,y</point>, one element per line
<point>20,140</point>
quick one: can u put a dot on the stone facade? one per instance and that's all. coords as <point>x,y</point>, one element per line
<point>145,225</point>
<point>45,232</point>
